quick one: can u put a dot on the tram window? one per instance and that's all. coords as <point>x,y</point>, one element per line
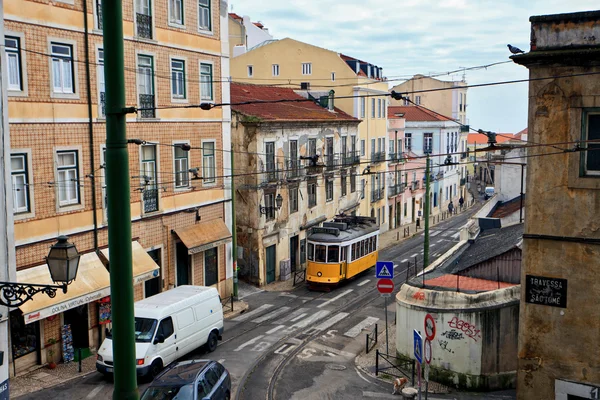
<point>344,249</point>
<point>372,242</point>
<point>320,253</point>
<point>354,252</point>
<point>333,254</point>
<point>365,248</point>
<point>311,252</point>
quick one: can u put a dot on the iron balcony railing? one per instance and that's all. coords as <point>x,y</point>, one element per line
<point>271,173</point>
<point>144,25</point>
<point>378,157</point>
<point>351,158</point>
<point>377,194</point>
<point>150,199</point>
<point>102,104</point>
<point>414,186</point>
<point>294,169</point>
<point>392,191</point>
<point>332,161</point>
<point>99,14</point>
<point>147,106</point>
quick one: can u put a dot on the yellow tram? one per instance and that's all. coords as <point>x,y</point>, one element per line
<point>341,249</point>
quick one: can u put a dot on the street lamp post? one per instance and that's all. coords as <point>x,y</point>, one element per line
<point>63,263</point>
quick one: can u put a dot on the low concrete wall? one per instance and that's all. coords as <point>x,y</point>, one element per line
<point>475,346</point>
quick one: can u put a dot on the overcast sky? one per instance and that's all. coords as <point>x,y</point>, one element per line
<point>407,37</point>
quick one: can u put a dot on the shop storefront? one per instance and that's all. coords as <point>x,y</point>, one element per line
<point>55,329</point>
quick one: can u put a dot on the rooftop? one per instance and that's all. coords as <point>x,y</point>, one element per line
<point>297,109</point>
<point>416,113</point>
<point>482,139</point>
<point>506,208</point>
<point>466,283</point>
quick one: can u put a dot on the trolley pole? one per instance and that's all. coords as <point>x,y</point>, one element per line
<point>118,194</point>
<point>233,233</point>
<point>426,212</point>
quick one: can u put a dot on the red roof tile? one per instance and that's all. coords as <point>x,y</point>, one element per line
<point>519,135</point>
<point>416,113</point>
<point>467,283</point>
<point>482,139</point>
<point>259,24</point>
<point>235,16</point>
<point>285,111</point>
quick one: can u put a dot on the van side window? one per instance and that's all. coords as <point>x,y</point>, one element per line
<point>165,328</point>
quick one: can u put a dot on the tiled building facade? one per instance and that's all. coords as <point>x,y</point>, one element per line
<point>175,55</point>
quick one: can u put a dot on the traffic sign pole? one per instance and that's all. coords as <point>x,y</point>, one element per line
<point>419,368</point>
<point>387,351</point>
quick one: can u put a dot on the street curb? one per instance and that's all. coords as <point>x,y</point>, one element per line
<point>244,307</point>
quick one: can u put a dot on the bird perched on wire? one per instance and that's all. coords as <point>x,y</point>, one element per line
<point>514,50</point>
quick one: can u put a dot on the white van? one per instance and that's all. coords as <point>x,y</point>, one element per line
<point>489,192</point>
<point>168,326</point>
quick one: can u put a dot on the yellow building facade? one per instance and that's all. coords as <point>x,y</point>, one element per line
<point>360,90</point>
<point>175,54</point>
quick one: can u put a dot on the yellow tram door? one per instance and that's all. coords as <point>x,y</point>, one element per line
<point>343,263</point>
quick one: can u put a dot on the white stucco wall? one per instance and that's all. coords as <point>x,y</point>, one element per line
<point>254,34</point>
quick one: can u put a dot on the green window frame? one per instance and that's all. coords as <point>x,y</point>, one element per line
<point>206,82</point>
<point>204,15</point>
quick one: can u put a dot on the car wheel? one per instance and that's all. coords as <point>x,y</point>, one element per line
<point>155,368</point>
<point>211,345</point>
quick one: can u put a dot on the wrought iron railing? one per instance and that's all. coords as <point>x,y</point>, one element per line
<point>378,157</point>
<point>294,169</point>
<point>102,104</point>
<point>150,200</point>
<point>332,161</point>
<point>272,173</point>
<point>99,14</point>
<point>377,194</point>
<point>351,158</point>
<point>144,25</point>
<point>147,106</point>
<point>414,185</point>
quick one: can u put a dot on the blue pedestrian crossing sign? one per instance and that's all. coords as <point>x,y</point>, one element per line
<point>384,269</point>
<point>418,346</point>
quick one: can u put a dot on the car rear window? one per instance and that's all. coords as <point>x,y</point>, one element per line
<point>169,393</point>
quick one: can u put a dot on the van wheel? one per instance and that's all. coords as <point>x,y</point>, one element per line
<point>211,345</point>
<point>155,368</point>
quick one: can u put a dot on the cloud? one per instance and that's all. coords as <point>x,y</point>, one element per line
<point>423,36</point>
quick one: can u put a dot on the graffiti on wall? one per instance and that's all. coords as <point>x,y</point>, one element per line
<point>453,335</point>
<point>444,346</point>
<point>468,329</point>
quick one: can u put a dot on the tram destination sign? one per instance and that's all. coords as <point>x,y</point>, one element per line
<point>546,291</point>
<point>327,230</point>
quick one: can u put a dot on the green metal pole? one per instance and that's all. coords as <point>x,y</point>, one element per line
<point>427,211</point>
<point>119,216</point>
<point>234,232</point>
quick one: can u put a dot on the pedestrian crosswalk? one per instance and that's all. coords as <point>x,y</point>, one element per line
<point>252,313</point>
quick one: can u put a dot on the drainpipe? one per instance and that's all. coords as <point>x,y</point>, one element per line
<point>90,122</point>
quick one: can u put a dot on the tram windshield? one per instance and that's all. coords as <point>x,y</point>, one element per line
<point>320,253</point>
<point>333,254</point>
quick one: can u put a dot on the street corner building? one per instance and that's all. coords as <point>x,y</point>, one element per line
<point>300,169</point>
<point>471,295</point>
<point>559,341</point>
<point>180,197</point>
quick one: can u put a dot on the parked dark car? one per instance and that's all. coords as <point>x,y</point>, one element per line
<point>191,380</point>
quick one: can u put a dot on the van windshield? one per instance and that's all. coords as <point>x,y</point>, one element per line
<point>144,329</point>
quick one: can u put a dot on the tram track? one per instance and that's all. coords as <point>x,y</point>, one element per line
<point>362,300</point>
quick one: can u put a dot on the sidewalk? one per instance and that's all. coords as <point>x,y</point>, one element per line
<point>43,378</point>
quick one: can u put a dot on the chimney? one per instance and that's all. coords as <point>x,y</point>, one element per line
<point>330,105</point>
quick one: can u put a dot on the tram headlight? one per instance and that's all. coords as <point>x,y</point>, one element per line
<point>319,274</point>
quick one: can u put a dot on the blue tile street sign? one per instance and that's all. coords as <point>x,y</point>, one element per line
<point>384,269</point>
<point>418,347</point>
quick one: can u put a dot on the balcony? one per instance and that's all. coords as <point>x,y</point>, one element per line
<point>102,104</point>
<point>377,194</point>
<point>427,150</point>
<point>378,157</point>
<point>294,170</point>
<point>144,25</point>
<point>414,185</point>
<point>392,190</point>
<point>332,161</point>
<point>99,14</point>
<point>147,106</point>
<point>351,158</point>
<point>271,173</point>
<point>150,197</point>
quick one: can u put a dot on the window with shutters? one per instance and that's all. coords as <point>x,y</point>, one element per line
<point>204,15</point>
<point>329,189</point>
<point>293,191</point>
<point>306,68</point>
<point>101,85</point>
<point>275,68</point>
<point>312,193</point>
<point>590,159</point>
<point>146,86</point>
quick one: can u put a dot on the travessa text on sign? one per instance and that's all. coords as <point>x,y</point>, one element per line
<point>546,291</point>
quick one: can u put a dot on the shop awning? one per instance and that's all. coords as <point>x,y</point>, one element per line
<point>92,283</point>
<point>204,236</point>
<point>144,267</point>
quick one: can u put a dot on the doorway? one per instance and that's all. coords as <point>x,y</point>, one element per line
<point>78,319</point>
<point>294,240</point>
<point>412,210</point>
<point>270,264</point>
<point>153,286</point>
<point>183,265</point>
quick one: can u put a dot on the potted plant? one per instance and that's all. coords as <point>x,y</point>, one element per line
<point>51,344</point>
